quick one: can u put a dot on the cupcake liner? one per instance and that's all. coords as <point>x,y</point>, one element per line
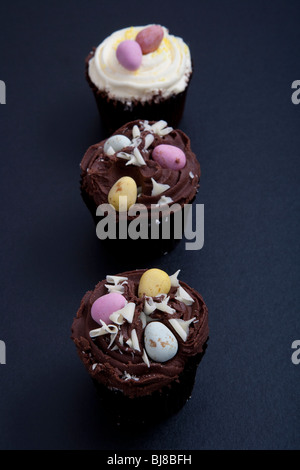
<point>114,113</point>
<point>150,409</point>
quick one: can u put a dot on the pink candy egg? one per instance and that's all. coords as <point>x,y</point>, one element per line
<point>103,307</point>
<point>150,38</point>
<point>169,156</point>
<point>129,54</point>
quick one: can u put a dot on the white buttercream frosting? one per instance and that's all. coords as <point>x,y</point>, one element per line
<point>163,72</point>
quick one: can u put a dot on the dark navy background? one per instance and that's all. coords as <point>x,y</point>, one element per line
<point>244,129</point>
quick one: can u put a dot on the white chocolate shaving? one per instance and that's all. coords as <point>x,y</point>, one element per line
<point>147,126</point>
<point>135,131</point>
<point>165,131</point>
<point>139,158</point>
<point>174,279</point>
<point>124,155</point>
<point>112,338</point>
<point>135,341</point>
<point>103,330</point>
<point>143,319</point>
<point>160,128</point>
<point>118,289</point>
<point>117,318</point>
<point>128,311</point>
<point>158,188</point>
<point>164,307</point>
<point>159,125</point>
<point>133,159</point>
<point>115,279</point>
<point>149,305</point>
<point>136,142</point>
<point>145,358</point>
<point>125,313</point>
<point>148,141</point>
<point>127,376</point>
<point>183,296</point>
<point>162,297</point>
<point>181,326</point>
<point>164,200</point>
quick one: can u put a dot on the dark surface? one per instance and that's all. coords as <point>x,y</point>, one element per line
<point>245,131</point>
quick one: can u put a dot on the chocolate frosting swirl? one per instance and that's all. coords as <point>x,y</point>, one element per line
<point>99,172</point>
<point>124,368</point>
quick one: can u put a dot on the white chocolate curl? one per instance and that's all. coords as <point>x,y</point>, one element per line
<point>183,296</point>
<point>174,279</point>
<point>181,326</point>
<point>105,329</point>
<point>133,341</point>
<point>125,313</point>
<point>158,188</point>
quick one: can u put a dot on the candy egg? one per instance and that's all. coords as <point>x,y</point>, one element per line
<point>150,38</point>
<point>160,343</point>
<point>105,305</point>
<point>129,54</point>
<point>169,156</point>
<point>117,142</point>
<point>154,282</point>
<point>125,187</point>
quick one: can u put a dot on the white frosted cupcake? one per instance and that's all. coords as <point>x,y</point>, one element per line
<point>140,72</point>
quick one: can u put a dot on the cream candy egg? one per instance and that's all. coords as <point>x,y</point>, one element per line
<point>160,343</point>
<point>154,282</point>
<point>169,156</point>
<point>117,143</point>
<point>126,189</point>
<point>105,305</point>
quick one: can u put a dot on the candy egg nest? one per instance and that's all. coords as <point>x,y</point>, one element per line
<point>146,344</point>
<point>170,174</point>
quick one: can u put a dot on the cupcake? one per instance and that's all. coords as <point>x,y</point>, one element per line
<point>141,336</point>
<point>152,165</point>
<point>139,72</point>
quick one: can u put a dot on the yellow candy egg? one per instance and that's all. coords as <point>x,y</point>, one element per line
<point>154,282</point>
<point>123,194</point>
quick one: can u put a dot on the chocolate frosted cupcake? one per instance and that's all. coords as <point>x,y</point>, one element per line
<point>139,72</point>
<point>152,165</point>
<point>141,335</point>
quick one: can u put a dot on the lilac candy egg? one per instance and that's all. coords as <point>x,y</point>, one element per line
<point>129,54</point>
<point>103,307</point>
<point>169,156</point>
